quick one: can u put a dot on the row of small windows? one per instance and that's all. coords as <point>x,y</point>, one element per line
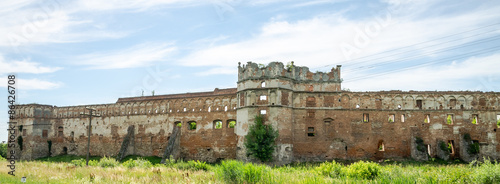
<point>217,124</point>
<point>74,114</point>
<point>427,118</point>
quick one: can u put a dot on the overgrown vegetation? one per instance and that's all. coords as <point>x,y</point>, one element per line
<point>192,126</point>
<point>498,123</point>
<point>420,144</point>
<point>232,124</point>
<point>289,66</point>
<point>3,150</point>
<point>260,140</point>
<point>443,146</point>
<point>141,170</point>
<point>449,120</point>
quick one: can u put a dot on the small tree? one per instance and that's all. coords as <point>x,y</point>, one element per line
<point>260,140</point>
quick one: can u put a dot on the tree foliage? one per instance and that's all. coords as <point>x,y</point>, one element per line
<point>260,140</point>
<point>3,150</point>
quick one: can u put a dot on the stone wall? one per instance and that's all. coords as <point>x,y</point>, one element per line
<point>316,121</point>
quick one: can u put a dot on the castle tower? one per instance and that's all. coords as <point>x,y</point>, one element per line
<point>276,91</point>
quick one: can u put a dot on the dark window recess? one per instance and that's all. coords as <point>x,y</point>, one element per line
<point>60,131</point>
<point>45,133</point>
<point>366,118</point>
<point>310,131</point>
<point>419,104</point>
<point>453,102</point>
<point>311,102</point>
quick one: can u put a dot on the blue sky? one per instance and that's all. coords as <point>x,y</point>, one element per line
<point>93,52</point>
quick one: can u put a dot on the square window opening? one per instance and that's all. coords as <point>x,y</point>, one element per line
<point>366,118</point>
<point>263,97</point>
<point>263,112</point>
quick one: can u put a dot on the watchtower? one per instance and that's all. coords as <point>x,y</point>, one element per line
<point>275,91</point>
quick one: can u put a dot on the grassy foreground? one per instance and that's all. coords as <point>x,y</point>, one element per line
<point>71,169</point>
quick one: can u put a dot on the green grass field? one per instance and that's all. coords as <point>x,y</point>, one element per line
<point>71,169</point>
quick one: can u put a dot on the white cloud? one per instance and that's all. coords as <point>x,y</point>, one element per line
<point>317,42</point>
<point>28,23</point>
<point>218,71</point>
<point>476,73</point>
<point>24,66</point>
<point>133,5</point>
<point>136,56</point>
<point>31,84</point>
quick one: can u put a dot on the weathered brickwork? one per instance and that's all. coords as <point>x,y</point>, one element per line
<point>316,121</point>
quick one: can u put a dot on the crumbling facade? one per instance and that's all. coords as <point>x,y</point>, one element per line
<point>316,121</point>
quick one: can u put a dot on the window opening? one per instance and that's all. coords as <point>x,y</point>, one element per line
<point>391,118</point>
<point>381,146</point>
<point>474,119</point>
<point>449,119</point>
<point>231,123</point>
<point>192,125</point>
<point>218,124</point>
<point>427,118</point>
<point>366,118</point>
<point>310,131</point>
<point>419,104</point>
<point>402,118</point>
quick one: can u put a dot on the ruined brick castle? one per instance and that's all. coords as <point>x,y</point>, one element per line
<point>316,121</point>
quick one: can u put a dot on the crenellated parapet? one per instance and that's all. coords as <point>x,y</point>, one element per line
<point>276,70</point>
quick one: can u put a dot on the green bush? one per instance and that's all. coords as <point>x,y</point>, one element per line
<point>363,170</point>
<point>108,162</point>
<point>498,123</point>
<point>139,162</point>
<point>192,165</point>
<point>420,144</point>
<point>486,172</point>
<point>232,124</point>
<point>233,171</point>
<point>260,140</point>
<point>331,169</point>
<point>2,158</point>
<point>80,162</point>
<point>3,150</point>
<point>444,146</point>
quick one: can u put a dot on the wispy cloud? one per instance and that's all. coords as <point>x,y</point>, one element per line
<point>318,41</point>
<point>31,84</point>
<point>29,23</point>
<point>137,56</point>
<point>471,74</point>
<point>24,66</point>
<point>132,5</point>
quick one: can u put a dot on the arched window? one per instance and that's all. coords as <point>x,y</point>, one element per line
<point>217,124</point>
<point>231,123</point>
<point>60,131</point>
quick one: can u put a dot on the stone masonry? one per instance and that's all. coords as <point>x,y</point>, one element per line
<point>316,120</point>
